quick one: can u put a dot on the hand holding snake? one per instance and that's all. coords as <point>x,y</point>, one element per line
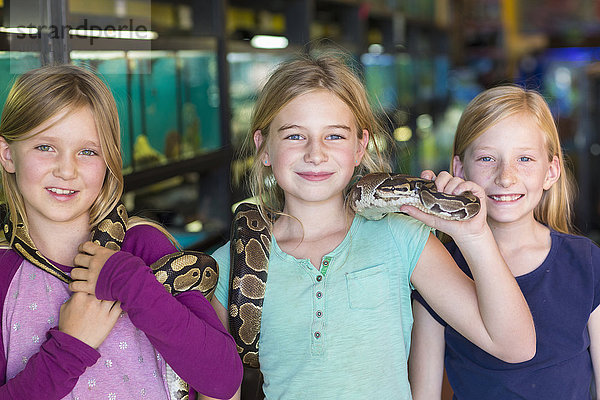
<point>455,186</point>
<point>88,264</point>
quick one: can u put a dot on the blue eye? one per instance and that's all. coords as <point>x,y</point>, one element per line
<point>88,152</point>
<point>334,137</point>
<point>524,158</point>
<point>43,147</point>
<point>485,158</point>
<point>294,137</point>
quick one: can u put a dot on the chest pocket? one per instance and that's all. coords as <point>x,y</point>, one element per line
<point>368,288</point>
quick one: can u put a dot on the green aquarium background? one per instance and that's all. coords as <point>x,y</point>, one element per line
<point>168,103</point>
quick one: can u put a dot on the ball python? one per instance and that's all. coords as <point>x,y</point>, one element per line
<point>378,194</point>
<point>178,272</point>
<point>373,196</point>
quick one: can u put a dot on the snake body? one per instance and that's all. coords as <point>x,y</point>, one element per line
<point>378,194</point>
<point>178,272</point>
<point>250,247</point>
<point>373,196</point>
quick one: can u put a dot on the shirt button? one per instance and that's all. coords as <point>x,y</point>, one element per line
<point>319,278</point>
<point>317,334</point>
<point>319,314</point>
<point>319,295</point>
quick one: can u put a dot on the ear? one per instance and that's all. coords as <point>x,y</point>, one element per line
<point>552,174</point>
<point>362,146</point>
<point>457,169</point>
<point>258,141</point>
<point>6,156</point>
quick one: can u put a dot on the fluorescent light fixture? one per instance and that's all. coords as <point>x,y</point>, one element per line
<point>97,55</point>
<point>269,42</point>
<point>101,33</point>
<point>21,30</point>
<point>115,34</point>
<point>148,54</point>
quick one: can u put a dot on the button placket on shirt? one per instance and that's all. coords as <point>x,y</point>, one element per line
<point>318,307</point>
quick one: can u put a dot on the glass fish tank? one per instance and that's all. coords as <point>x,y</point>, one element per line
<point>248,73</point>
<point>13,64</point>
<point>168,102</point>
<point>381,80</point>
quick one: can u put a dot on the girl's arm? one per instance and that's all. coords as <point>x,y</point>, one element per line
<point>224,317</point>
<point>184,329</point>
<point>53,371</point>
<point>490,311</point>
<point>426,362</point>
<point>594,331</point>
<point>66,353</point>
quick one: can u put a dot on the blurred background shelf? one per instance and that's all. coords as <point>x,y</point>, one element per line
<point>186,89</point>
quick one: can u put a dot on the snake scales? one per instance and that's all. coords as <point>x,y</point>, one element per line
<point>372,196</point>
<point>178,272</point>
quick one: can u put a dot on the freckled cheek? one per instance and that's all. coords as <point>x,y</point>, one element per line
<point>480,175</point>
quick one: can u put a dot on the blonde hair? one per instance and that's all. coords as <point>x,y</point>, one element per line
<point>297,76</point>
<point>40,94</point>
<point>495,104</point>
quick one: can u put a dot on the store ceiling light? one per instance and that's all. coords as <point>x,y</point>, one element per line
<point>114,34</point>
<point>100,33</point>
<point>269,42</point>
<point>21,30</point>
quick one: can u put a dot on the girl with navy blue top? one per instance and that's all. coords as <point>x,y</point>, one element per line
<point>507,142</point>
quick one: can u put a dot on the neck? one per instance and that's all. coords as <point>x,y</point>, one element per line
<point>59,242</point>
<point>517,234</point>
<point>311,221</point>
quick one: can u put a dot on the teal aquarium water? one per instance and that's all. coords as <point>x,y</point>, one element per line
<point>248,73</point>
<point>380,80</point>
<point>167,101</point>
<point>13,64</point>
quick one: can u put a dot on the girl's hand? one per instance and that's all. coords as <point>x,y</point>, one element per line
<point>88,264</point>
<point>88,319</point>
<point>459,230</point>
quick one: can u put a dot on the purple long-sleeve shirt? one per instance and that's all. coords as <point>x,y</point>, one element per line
<point>184,329</point>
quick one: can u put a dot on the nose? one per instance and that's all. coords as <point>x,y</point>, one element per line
<point>315,152</point>
<point>506,175</point>
<point>65,167</point>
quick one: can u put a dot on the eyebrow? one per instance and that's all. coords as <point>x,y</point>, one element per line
<point>485,148</point>
<point>294,126</point>
<point>51,137</point>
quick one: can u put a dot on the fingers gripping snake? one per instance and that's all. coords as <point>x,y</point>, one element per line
<point>372,196</point>
<point>178,272</point>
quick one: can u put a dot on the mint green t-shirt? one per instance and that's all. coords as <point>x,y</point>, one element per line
<point>342,332</point>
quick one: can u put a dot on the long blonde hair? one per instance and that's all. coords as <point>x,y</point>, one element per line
<point>295,77</point>
<point>40,94</point>
<point>495,104</point>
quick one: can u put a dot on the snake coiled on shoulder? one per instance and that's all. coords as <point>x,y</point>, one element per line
<point>178,272</point>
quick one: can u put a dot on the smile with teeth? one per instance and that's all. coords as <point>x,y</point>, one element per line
<point>505,197</point>
<point>61,191</point>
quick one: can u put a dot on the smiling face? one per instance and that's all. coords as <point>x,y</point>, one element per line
<point>313,147</point>
<point>510,161</point>
<point>60,170</point>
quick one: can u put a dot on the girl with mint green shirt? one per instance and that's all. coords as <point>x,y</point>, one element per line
<point>336,319</point>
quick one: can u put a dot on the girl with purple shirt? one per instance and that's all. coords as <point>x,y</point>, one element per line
<point>111,333</point>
